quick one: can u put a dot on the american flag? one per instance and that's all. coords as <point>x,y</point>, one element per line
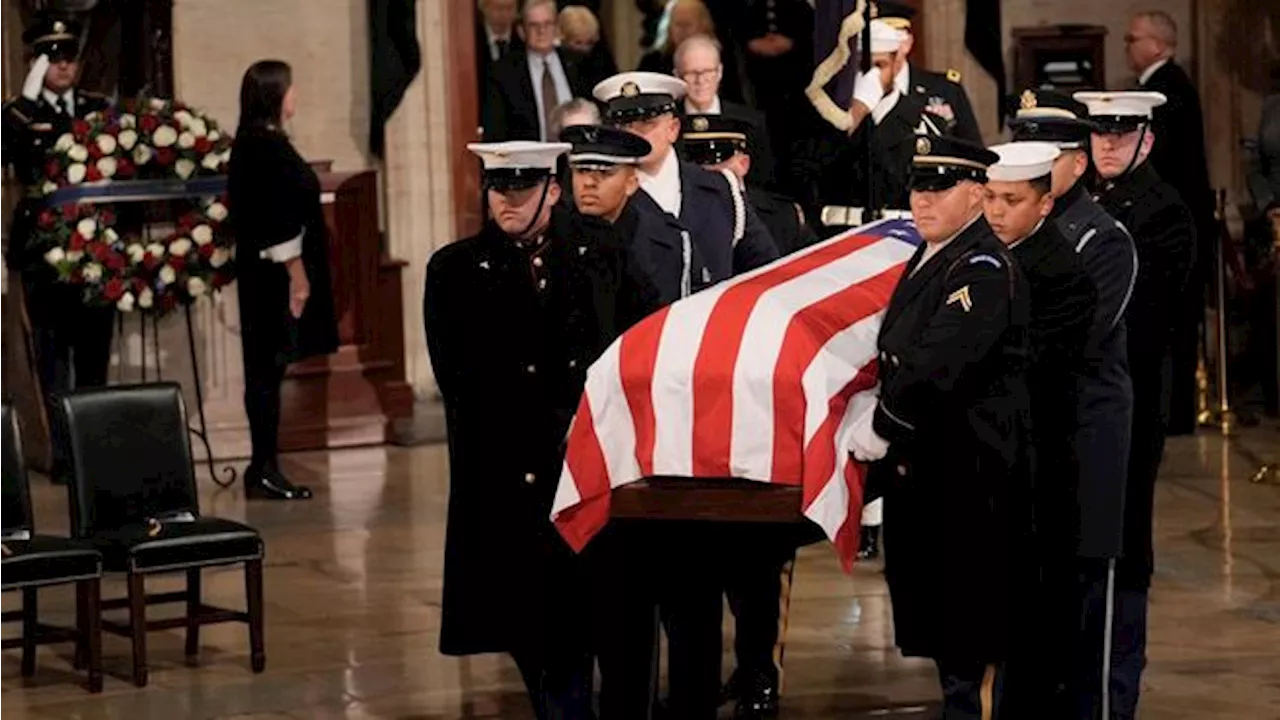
<point>757,378</point>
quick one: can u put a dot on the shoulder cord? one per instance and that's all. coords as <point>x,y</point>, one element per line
<point>739,207</point>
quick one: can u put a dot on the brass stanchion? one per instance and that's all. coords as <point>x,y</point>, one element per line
<point>1222,416</point>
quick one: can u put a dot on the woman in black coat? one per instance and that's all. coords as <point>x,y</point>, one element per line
<point>281,256</point>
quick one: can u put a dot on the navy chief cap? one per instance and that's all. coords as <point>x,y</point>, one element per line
<point>633,96</point>
<point>942,161</point>
<point>601,147</point>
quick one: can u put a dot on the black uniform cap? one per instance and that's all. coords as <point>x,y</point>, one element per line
<point>712,139</point>
<point>55,36</point>
<point>601,147</point>
<point>1049,116</point>
<point>941,161</point>
<point>897,14</point>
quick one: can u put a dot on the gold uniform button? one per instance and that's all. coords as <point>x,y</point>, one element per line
<point>537,262</point>
<point>902,470</point>
<point>530,369</point>
<point>530,478</point>
<point>542,284</point>
<point>573,363</point>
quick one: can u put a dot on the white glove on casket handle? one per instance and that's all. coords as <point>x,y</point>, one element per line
<point>867,446</point>
<point>35,78</point>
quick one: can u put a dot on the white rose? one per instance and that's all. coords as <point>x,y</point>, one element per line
<point>211,161</point>
<point>106,144</point>
<point>226,155</point>
<point>145,298</point>
<point>107,166</point>
<point>128,120</point>
<point>184,168</point>
<point>164,136</point>
<point>125,303</point>
<point>183,117</point>
<point>180,247</point>
<point>157,104</point>
<point>110,235</point>
<point>214,135</point>
<point>56,255</point>
<point>141,154</point>
<point>128,138</point>
<point>217,211</point>
<point>92,272</point>
<point>202,234</point>
<point>136,253</point>
<point>167,275</point>
<point>48,187</point>
<point>198,127</point>
<point>156,250</point>
<point>79,153</point>
<point>220,257</point>
<point>195,287</point>
<point>186,140</point>
<point>75,173</point>
<point>65,141</point>
<point>87,228</point>
<point>74,255</point>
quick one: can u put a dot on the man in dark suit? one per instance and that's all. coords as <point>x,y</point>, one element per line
<point>948,435</point>
<point>1079,549</point>
<point>698,63</point>
<point>1178,156</point>
<point>1017,206</point>
<point>531,82</point>
<point>72,342</point>
<point>778,39</point>
<point>1164,234</point>
<point>496,37</point>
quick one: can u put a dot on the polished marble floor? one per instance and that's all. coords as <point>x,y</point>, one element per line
<point>353,609</point>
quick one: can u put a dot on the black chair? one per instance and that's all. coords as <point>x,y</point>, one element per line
<point>33,561</point>
<point>133,496</point>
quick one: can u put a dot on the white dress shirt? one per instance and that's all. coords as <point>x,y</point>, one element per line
<point>68,100</point>
<point>664,186</point>
<point>713,109</point>
<point>1151,70</point>
<point>552,62</point>
<point>493,39</point>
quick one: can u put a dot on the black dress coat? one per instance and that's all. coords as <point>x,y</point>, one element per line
<point>510,105</point>
<point>698,245</point>
<point>954,408</point>
<point>783,219</point>
<point>942,95</point>
<point>510,356</point>
<point>1164,234</point>
<point>273,196</point>
<point>1105,414</point>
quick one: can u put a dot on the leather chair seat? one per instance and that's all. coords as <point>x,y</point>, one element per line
<point>45,559</point>
<point>177,545</point>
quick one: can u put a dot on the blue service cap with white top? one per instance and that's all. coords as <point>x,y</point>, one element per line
<point>517,164</point>
<point>1120,112</point>
<point>632,96</point>
<point>1022,161</point>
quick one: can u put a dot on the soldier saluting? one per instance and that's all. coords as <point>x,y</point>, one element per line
<point>72,342</point>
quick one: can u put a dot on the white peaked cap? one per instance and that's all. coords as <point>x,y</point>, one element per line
<point>1129,103</point>
<point>1022,161</point>
<point>634,84</point>
<point>519,154</point>
<point>885,38</point>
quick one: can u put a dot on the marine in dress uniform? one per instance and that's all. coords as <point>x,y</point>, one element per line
<point>1063,306</point>
<point>1164,234</point>
<point>708,232</point>
<point>513,318</point>
<point>1075,576</point>
<point>72,342</point>
<point>953,410</point>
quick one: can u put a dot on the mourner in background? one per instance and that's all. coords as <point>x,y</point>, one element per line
<point>949,433</point>
<point>513,318</point>
<point>778,40</point>
<point>1164,234</point>
<point>1017,206</point>
<point>72,341</point>
<point>708,232</point>
<point>1075,573</point>
<point>580,35</point>
<point>496,38</point>
<point>1178,156</point>
<point>282,256</point>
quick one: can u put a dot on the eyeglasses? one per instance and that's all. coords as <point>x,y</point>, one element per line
<point>541,26</point>
<point>698,75</point>
<point>1130,38</point>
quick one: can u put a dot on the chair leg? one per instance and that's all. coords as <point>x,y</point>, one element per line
<point>81,656</point>
<point>193,616</point>
<point>253,601</point>
<point>91,629</point>
<point>138,627</point>
<point>30,630</point>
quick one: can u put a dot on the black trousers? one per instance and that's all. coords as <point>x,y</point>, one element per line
<point>263,375</point>
<point>971,690</point>
<point>72,342</point>
<point>559,685</point>
<point>754,587</point>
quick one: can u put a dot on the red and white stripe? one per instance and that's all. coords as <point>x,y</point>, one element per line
<point>759,378</point>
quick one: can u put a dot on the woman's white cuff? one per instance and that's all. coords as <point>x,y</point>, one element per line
<point>285,251</point>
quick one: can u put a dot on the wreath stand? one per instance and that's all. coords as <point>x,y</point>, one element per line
<point>150,191</point>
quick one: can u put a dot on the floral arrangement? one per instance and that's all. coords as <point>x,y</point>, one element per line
<point>147,139</point>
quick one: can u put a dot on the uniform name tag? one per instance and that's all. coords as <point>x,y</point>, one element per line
<point>961,296</point>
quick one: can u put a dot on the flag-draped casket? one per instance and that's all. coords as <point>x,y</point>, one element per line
<point>758,378</point>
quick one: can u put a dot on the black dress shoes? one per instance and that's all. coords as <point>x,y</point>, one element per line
<point>869,548</point>
<point>757,698</point>
<point>270,484</point>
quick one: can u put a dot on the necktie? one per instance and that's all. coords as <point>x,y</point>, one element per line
<point>548,98</point>
<point>502,46</point>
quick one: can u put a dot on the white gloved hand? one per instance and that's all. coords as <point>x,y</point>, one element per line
<point>866,445</point>
<point>867,89</point>
<point>35,78</point>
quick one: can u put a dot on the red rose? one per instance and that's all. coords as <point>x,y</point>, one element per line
<point>69,211</point>
<point>148,123</point>
<point>77,276</point>
<point>220,278</point>
<point>115,261</point>
<point>125,168</point>
<point>203,145</point>
<point>47,219</point>
<point>114,289</point>
<point>206,250</point>
<point>178,263</point>
<point>165,156</point>
<point>86,210</point>
<point>52,169</point>
<point>95,152</point>
<point>150,261</point>
<point>80,129</point>
<point>76,242</point>
<point>112,129</point>
<point>107,217</point>
<point>139,285</point>
<point>93,174</point>
<point>99,251</point>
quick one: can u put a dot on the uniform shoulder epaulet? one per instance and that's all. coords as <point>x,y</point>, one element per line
<point>953,75</point>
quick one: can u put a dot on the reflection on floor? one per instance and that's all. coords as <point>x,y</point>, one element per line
<point>353,593</point>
